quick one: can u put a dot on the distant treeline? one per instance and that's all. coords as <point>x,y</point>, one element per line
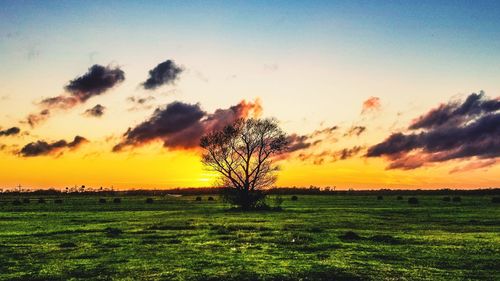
<point>278,190</point>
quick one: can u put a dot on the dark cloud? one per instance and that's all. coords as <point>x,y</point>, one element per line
<point>372,104</point>
<point>10,132</point>
<point>452,131</point>
<point>456,112</point>
<point>326,131</point>
<point>298,142</point>
<point>95,82</point>
<point>140,102</point>
<point>96,111</point>
<point>40,148</point>
<point>346,153</point>
<point>181,125</point>
<point>331,156</point>
<point>164,73</point>
<point>355,131</point>
<point>36,118</point>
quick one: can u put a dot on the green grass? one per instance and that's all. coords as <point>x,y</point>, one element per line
<point>181,239</point>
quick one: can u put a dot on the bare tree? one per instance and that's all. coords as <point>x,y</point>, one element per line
<point>242,153</point>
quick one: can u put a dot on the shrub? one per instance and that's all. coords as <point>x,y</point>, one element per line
<point>210,198</point>
<point>446,199</point>
<point>495,200</point>
<point>385,239</point>
<point>149,200</point>
<point>58,201</point>
<point>278,200</point>
<point>198,198</point>
<point>413,200</point>
<point>245,200</point>
<point>399,198</point>
<point>457,199</point>
<point>295,198</point>
<point>350,235</point>
<point>41,201</point>
<point>26,200</point>
<point>102,200</point>
<point>16,202</point>
<point>113,232</point>
<point>117,200</point>
<point>380,197</point>
<point>67,245</point>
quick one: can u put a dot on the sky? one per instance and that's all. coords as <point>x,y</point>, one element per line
<point>373,94</point>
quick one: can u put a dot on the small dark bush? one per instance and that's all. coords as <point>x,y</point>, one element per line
<point>41,201</point>
<point>102,200</point>
<point>457,199</point>
<point>149,200</point>
<point>385,239</point>
<point>399,198</point>
<point>113,232</point>
<point>245,200</point>
<point>380,197</point>
<point>117,200</point>
<point>58,201</point>
<point>278,201</point>
<point>413,200</point>
<point>26,200</point>
<point>210,198</point>
<point>495,200</point>
<point>446,199</point>
<point>295,198</point>
<point>198,198</point>
<point>315,229</point>
<point>16,202</point>
<point>350,235</point>
<point>67,245</point>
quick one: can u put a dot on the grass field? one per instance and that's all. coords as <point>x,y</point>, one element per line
<point>182,239</point>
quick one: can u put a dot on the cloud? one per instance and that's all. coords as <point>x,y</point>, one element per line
<point>96,81</point>
<point>456,112</point>
<point>40,148</point>
<point>37,118</point>
<point>180,125</point>
<point>140,102</point>
<point>326,131</point>
<point>474,166</point>
<point>456,130</point>
<point>355,131</point>
<point>347,153</point>
<point>372,104</point>
<point>164,73</point>
<point>298,142</point>
<point>10,132</point>
<point>331,156</point>
<point>96,111</point>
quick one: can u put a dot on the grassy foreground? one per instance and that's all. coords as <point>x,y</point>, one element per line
<point>182,239</point>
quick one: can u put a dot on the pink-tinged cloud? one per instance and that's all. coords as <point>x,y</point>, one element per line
<point>456,130</point>
<point>181,125</point>
<point>96,81</point>
<point>474,166</point>
<point>372,104</point>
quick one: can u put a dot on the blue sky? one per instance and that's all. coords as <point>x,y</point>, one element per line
<point>311,63</point>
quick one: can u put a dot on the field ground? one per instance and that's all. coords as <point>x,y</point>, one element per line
<point>182,239</point>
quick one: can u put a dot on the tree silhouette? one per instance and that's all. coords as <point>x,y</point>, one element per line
<point>242,153</point>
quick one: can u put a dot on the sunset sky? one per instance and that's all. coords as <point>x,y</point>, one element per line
<point>373,94</point>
